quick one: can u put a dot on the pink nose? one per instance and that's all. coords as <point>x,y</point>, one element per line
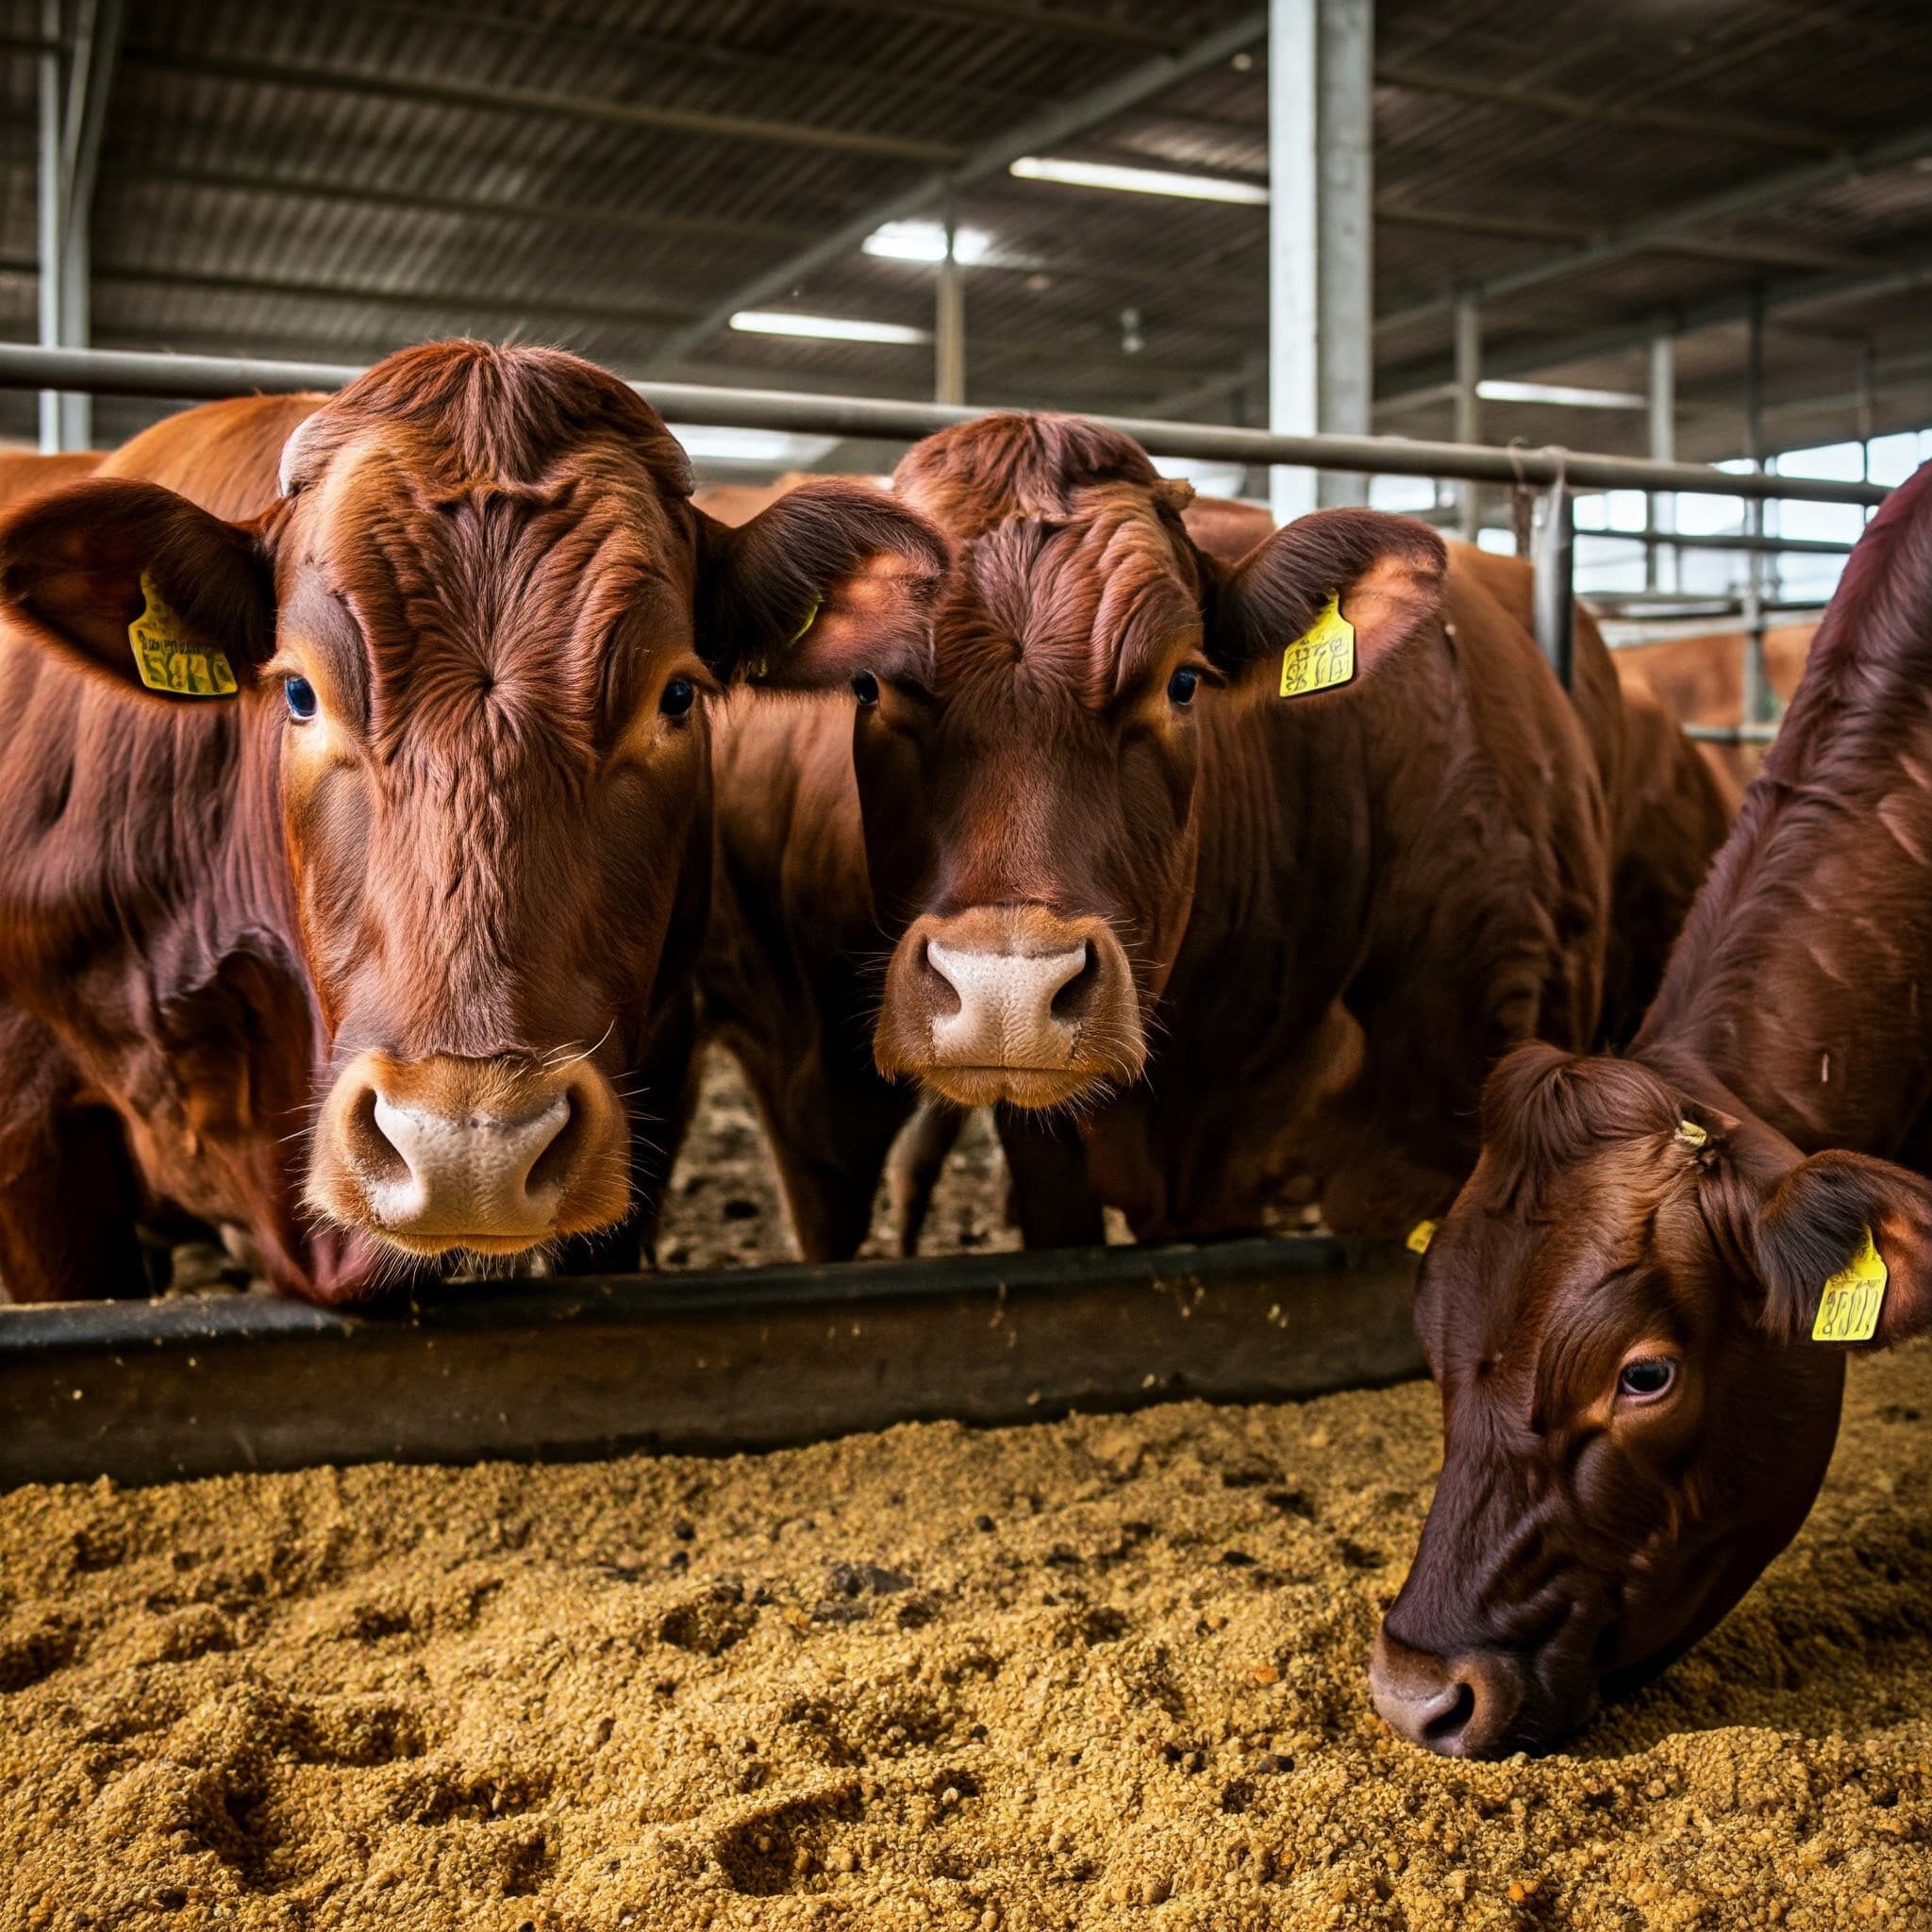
<point>1011,1002</point>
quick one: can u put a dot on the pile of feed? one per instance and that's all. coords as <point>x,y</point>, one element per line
<point>1104,1672</point>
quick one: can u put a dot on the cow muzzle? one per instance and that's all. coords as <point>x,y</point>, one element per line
<point>1011,1002</point>
<point>492,1156</point>
<point>1481,1704</point>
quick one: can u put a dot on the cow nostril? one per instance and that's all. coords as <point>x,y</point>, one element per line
<point>553,1167</point>
<point>1073,998</point>
<point>946,997</point>
<point>1444,1726</point>
<point>374,1153</point>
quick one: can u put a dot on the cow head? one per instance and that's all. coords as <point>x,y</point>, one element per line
<point>1618,1312</point>
<point>466,646</point>
<point>1027,762</point>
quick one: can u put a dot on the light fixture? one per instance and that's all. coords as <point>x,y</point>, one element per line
<point>1561,395</point>
<point>915,241</point>
<point>782,448</point>
<point>825,328</point>
<point>1138,180</point>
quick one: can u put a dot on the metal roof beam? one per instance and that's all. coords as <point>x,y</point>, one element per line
<point>1021,16</point>
<point>525,100</point>
<point>647,222</point>
<point>1638,238</point>
<point>1571,108</point>
<point>1535,354</point>
<point>1518,228</point>
<point>1040,131</point>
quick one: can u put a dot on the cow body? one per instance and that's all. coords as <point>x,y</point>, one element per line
<point>376,945</point>
<point>25,472</point>
<point>1376,893</point>
<point>1620,1309</point>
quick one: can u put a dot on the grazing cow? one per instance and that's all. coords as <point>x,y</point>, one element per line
<point>1620,1308</point>
<point>369,923</point>
<point>1198,941</point>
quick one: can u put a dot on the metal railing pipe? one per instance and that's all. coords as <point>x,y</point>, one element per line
<point>121,372</point>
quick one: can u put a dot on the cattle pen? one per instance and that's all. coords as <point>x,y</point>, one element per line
<point>695,1363</point>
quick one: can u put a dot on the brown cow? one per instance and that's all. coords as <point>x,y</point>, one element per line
<point>1700,680</point>
<point>371,932</point>
<point>27,473</point>
<point>1332,913</point>
<point>1619,1309</point>
<point>786,978</point>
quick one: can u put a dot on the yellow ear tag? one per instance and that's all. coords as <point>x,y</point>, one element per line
<point>166,656</point>
<point>811,617</point>
<point>1848,1312</point>
<point>1691,1135</point>
<point>1419,1236</point>
<point>1322,656</point>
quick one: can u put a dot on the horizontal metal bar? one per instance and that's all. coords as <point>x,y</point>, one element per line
<point>116,372</point>
<point>147,1392</point>
<point>1676,539</point>
<point>1731,734</point>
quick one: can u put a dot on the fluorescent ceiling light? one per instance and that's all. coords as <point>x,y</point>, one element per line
<point>1138,180</point>
<point>706,443</point>
<point>828,328</point>
<point>926,241</point>
<point>1560,394</point>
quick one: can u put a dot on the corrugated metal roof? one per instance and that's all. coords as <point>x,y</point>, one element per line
<point>336,180</point>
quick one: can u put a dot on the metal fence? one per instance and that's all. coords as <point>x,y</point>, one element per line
<point>1555,474</point>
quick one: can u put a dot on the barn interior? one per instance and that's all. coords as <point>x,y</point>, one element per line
<point>984,1588</point>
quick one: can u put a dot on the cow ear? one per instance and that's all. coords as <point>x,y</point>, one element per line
<point>1324,601</point>
<point>1845,1247</point>
<point>834,578</point>
<point>137,585</point>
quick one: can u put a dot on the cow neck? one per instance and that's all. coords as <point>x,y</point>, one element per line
<point>1800,982</point>
<point>1286,842</point>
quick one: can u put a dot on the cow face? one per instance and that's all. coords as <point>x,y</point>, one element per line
<point>1618,1315</point>
<point>1028,765</point>
<point>465,641</point>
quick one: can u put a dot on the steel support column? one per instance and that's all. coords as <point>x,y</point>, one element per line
<point>1553,592</point>
<point>949,322</point>
<point>1321,336</point>
<point>52,223</point>
<point>1757,695</point>
<point>1660,562</point>
<point>1468,375</point>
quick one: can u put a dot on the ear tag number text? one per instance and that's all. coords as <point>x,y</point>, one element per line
<point>166,655</point>
<point>1322,656</point>
<point>1848,1310</point>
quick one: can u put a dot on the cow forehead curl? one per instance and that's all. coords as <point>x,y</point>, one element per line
<point>1084,607</point>
<point>484,601</point>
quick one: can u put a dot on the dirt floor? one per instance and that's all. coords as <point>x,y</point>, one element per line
<point>723,1209</point>
<point>1094,1674</point>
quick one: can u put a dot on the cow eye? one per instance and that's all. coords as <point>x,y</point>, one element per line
<point>300,696</point>
<point>865,688</point>
<point>680,694</point>
<point>1182,686</point>
<point>1647,1377</point>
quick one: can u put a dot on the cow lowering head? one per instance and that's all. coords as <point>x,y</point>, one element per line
<point>465,645</point>
<point>1027,766</point>
<point>1618,1313</point>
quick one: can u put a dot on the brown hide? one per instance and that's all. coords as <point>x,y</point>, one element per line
<point>1701,681</point>
<point>1379,891</point>
<point>1617,1309</point>
<point>25,472</point>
